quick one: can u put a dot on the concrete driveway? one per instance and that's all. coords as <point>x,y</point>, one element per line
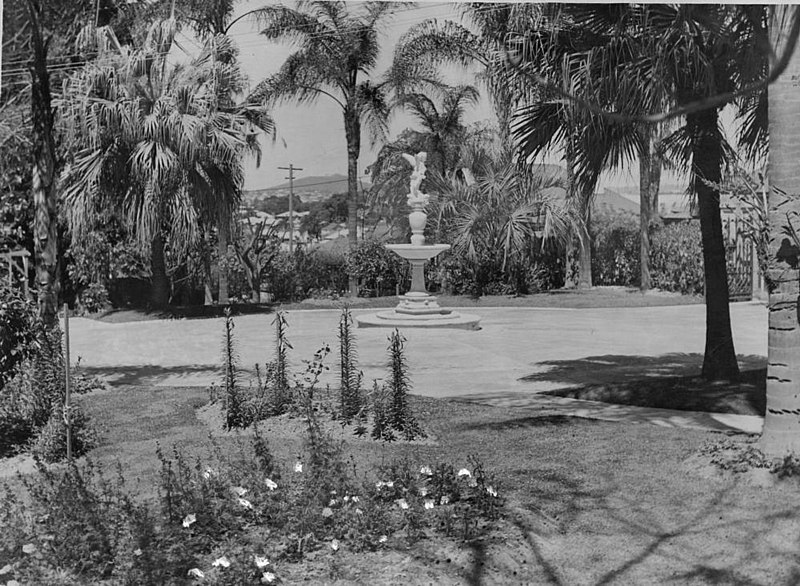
<point>517,352</point>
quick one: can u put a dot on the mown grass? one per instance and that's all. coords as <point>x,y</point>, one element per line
<point>588,502</point>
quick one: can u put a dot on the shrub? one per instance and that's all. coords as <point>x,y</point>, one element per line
<point>93,299</point>
<point>676,259</point>
<point>50,443</point>
<point>19,329</point>
<point>615,249</point>
<point>392,412</point>
<point>297,275</point>
<point>378,269</point>
<point>351,398</point>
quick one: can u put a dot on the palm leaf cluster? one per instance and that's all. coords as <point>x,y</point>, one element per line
<point>160,144</point>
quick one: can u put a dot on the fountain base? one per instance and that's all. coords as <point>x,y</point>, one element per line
<point>419,310</point>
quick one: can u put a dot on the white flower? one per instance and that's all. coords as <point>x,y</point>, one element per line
<point>13,583</point>
<point>346,498</point>
<point>464,472</point>
<point>332,503</point>
<point>298,467</point>
<point>238,490</point>
<point>382,539</point>
<point>423,491</point>
<point>137,552</point>
<point>380,484</point>
<point>354,499</point>
<point>426,470</point>
<point>359,512</point>
<point>29,548</point>
<point>196,572</point>
<point>444,500</point>
<point>271,484</point>
<point>335,545</point>
<point>402,503</point>
<point>428,503</point>
<point>261,562</point>
<point>472,483</point>
<point>491,490</point>
<point>221,562</point>
<point>189,519</point>
<point>326,512</point>
<point>267,577</point>
<point>245,503</point>
<point>208,473</point>
<point>6,569</point>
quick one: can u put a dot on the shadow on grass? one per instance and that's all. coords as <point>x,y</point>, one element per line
<point>151,374</point>
<point>533,421</point>
<point>670,381</point>
<point>122,315</point>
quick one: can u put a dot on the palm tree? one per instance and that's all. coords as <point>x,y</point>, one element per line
<point>442,135</point>
<point>338,48</point>
<point>781,425</point>
<point>500,213</point>
<point>156,143</point>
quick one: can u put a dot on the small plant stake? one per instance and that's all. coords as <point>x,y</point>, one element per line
<point>66,385</point>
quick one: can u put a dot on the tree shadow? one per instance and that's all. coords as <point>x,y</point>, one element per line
<point>669,381</point>
<point>532,421</point>
<point>152,374</point>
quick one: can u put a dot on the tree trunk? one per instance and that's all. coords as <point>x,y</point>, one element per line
<point>645,211</point>
<point>570,248</point>
<point>352,126</point>
<point>159,292</point>
<point>782,422</point>
<point>43,185</point>
<point>222,262</point>
<point>719,362</point>
<point>585,244</point>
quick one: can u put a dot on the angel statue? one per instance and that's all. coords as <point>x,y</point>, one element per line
<point>416,197</point>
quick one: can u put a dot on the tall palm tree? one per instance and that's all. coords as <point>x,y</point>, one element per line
<point>781,425</point>
<point>338,50</point>
<point>155,144</point>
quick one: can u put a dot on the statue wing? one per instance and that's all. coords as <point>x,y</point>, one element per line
<point>411,160</point>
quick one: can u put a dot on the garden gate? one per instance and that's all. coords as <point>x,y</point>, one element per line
<point>742,268</point>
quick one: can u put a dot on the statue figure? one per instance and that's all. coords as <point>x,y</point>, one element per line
<point>417,199</point>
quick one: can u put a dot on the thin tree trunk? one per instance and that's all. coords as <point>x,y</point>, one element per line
<point>159,293</point>
<point>43,184</point>
<point>719,362</point>
<point>352,126</point>
<point>570,248</point>
<point>222,263</point>
<point>782,421</point>
<point>645,212</point>
<point>585,245</point>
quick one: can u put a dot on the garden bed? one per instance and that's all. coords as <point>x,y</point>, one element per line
<point>586,502</point>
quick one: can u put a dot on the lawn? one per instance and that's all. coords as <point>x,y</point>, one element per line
<point>596,297</point>
<point>586,502</point>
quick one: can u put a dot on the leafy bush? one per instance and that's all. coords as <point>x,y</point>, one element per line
<point>299,274</point>
<point>378,269</point>
<point>93,299</point>
<point>676,259</point>
<point>19,327</point>
<point>50,444</point>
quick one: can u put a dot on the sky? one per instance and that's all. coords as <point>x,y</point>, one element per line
<point>311,137</point>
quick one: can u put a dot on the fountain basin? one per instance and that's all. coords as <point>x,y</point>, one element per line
<point>418,251</point>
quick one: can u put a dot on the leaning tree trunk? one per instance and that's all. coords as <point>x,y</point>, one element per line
<point>352,125</point>
<point>719,362</point>
<point>782,422</point>
<point>159,292</point>
<point>43,184</point>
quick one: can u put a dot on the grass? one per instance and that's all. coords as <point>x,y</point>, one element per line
<point>747,396</point>
<point>588,502</point>
<point>597,297</point>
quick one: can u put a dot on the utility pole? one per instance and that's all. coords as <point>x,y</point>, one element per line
<point>291,168</point>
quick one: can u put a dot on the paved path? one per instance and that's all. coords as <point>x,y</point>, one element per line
<point>518,353</point>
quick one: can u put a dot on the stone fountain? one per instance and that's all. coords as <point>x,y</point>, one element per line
<point>417,308</point>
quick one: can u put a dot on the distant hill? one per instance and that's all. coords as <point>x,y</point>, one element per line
<point>315,185</point>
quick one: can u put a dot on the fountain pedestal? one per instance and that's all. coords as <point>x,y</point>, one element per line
<point>417,308</point>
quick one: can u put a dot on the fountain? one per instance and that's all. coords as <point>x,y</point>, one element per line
<point>417,308</point>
